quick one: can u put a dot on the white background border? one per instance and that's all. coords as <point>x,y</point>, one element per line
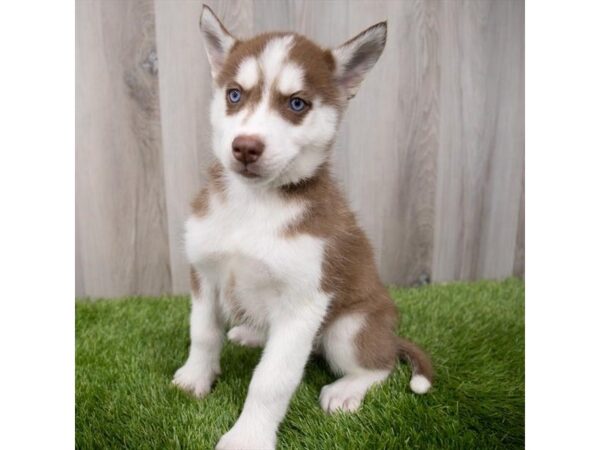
<point>562,196</point>
<point>37,139</point>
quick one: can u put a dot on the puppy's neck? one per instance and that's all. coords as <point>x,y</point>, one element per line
<point>240,187</point>
<point>302,187</point>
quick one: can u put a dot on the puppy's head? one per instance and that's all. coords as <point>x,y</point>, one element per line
<point>278,98</point>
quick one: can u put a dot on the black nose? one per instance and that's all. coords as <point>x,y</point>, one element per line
<point>247,149</point>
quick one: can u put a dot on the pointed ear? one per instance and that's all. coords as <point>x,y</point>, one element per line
<point>356,57</point>
<point>217,40</point>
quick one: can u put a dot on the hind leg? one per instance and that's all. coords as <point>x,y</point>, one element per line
<point>343,349</point>
<point>347,393</point>
<point>247,336</point>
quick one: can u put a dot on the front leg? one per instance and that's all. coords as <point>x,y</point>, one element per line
<point>274,381</point>
<point>206,334</point>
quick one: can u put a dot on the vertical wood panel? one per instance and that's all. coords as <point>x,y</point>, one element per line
<point>480,161</point>
<point>184,97</point>
<point>120,205</point>
<point>185,94</point>
<point>389,162</point>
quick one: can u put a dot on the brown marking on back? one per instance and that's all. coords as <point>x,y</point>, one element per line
<point>349,271</point>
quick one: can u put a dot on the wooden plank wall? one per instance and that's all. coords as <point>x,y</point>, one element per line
<point>121,215</point>
<point>430,153</point>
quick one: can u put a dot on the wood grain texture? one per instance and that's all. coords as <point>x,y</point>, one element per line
<point>120,204</point>
<point>184,97</point>
<point>430,153</point>
<point>185,94</point>
<point>480,160</point>
<point>391,142</point>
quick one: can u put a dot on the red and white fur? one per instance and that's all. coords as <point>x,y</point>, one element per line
<point>274,250</point>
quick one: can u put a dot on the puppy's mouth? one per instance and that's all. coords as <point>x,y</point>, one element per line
<point>247,171</point>
<point>248,174</point>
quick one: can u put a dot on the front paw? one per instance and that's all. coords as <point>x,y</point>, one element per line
<point>246,438</point>
<point>195,378</point>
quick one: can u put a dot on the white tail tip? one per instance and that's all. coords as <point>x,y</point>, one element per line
<point>419,384</point>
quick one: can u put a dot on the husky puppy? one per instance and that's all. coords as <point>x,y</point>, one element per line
<point>273,246</point>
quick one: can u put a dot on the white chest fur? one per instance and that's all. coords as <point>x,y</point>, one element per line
<point>241,247</point>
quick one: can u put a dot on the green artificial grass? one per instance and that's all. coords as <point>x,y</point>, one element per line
<point>127,351</point>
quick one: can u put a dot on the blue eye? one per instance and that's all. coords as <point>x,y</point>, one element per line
<point>297,104</point>
<point>234,95</point>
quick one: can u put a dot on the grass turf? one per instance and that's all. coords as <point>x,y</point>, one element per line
<point>127,351</point>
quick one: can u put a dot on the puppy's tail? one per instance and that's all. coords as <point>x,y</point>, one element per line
<point>422,370</point>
